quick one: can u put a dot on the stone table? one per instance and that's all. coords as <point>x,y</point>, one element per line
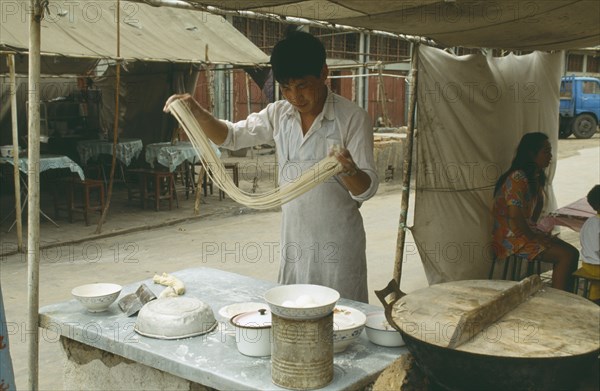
<point>103,350</point>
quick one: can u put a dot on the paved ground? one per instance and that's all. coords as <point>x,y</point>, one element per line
<point>230,238</point>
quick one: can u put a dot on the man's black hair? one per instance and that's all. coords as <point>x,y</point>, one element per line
<point>296,56</point>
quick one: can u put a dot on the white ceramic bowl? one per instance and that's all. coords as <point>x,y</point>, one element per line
<point>380,332</point>
<point>253,332</point>
<point>301,301</point>
<point>7,151</point>
<point>348,324</point>
<point>97,297</point>
<point>175,318</point>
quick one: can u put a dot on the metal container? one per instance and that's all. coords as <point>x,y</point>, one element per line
<point>549,341</point>
<point>302,355</point>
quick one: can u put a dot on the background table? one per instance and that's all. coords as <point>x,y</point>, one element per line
<point>127,149</point>
<point>173,155</point>
<point>572,215</point>
<point>47,162</point>
<point>211,359</point>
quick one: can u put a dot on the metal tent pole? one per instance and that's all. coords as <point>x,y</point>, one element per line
<point>406,168</point>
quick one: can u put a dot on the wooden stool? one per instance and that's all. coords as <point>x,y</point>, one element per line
<point>202,176</point>
<point>514,263</point>
<point>235,174</point>
<point>86,186</point>
<point>581,274</point>
<point>155,185</point>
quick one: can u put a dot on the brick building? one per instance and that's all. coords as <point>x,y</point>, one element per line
<point>385,96</point>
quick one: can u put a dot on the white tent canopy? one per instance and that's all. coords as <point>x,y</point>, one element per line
<point>88,29</point>
<point>506,24</point>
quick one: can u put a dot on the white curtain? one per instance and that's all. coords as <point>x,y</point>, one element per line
<point>472,112</point>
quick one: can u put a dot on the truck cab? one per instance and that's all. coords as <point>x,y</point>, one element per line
<point>579,106</point>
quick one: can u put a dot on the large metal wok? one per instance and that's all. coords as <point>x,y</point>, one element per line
<point>548,342</point>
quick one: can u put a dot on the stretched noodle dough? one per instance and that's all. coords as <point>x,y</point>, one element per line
<point>318,173</point>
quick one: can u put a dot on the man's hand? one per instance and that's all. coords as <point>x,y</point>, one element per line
<point>184,97</point>
<point>214,129</point>
<point>343,156</point>
<point>355,180</point>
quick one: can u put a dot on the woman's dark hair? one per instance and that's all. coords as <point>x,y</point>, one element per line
<point>296,56</point>
<point>529,146</point>
<point>593,198</point>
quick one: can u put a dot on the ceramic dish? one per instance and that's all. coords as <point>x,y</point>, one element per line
<point>348,324</point>
<point>175,318</point>
<point>96,297</point>
<point>301,301</point>
<point>229,311</point>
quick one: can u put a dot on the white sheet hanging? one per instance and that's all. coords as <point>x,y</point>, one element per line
<point>472,112</point>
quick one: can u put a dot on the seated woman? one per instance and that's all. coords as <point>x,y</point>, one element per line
<point>518,201</point>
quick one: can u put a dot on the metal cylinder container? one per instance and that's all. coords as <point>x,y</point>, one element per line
<point>302,352</point>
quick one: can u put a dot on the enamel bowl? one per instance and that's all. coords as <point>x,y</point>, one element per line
<point>301,301</point>
<point>97,297</point>
<point>175,318</point>
<point>348,324</point>
<point>380,332</point>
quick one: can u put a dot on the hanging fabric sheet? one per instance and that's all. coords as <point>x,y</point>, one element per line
<point>319,173</point>
<point>472,112</point>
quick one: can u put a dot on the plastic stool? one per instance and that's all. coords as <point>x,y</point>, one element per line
<point>581,274</point>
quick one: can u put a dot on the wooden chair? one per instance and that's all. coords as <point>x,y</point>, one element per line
<point>85,187</point>
<point>585,276</point>
<point>513,265</point>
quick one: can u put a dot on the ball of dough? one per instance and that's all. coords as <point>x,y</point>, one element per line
<point>305,301</point>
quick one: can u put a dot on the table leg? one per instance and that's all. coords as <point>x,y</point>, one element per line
<point>26,191</point>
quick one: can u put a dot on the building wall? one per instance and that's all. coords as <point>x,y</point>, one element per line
<point>339,45</point>
<point>582,62</point>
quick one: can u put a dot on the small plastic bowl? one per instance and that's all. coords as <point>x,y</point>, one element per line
<point>380,332</point>
<point>97,297</point>
<point>324,299</point>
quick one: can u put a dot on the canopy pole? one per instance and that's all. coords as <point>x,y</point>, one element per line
<point>10,59</point>
<point>115,124</point>
<point>382,95</point>
<point>33,184</point>
<point>407,168</point>
<point>210,93</point>
<point>249,103</point>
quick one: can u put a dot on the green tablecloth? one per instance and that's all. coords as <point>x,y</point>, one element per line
<point>48,162</point>
<point>171,156</point>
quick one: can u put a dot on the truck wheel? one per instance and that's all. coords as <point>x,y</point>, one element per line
<point>564,127</point>
<point>584,126</point>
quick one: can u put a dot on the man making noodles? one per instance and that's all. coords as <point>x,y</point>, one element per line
<point>322,234</point>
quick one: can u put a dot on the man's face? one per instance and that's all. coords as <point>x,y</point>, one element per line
<point>306,94</point>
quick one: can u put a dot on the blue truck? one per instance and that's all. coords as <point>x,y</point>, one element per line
<point>579,106</point>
